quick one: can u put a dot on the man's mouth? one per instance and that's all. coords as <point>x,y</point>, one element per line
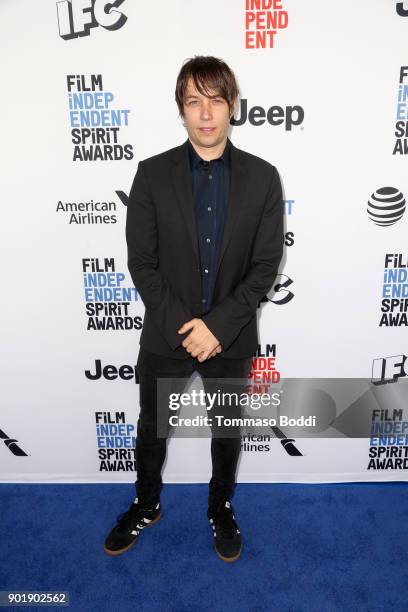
<point>206,130</point>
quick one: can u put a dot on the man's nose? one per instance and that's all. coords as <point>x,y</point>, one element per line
<point>205,110</point>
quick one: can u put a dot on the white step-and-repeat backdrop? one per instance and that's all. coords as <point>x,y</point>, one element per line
<point>324,90</point>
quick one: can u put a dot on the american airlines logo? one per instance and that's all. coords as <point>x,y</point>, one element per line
<point>11,445</point>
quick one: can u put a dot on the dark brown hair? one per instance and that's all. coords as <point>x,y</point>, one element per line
<point>208,73</point>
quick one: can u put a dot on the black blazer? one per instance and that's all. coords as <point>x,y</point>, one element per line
<point>163,254</point>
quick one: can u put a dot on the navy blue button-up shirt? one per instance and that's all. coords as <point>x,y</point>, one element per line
<point>211,183</point>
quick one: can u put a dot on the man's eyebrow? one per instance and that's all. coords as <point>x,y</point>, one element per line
<point>196,97</point>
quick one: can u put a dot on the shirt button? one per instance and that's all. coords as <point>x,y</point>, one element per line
<point>209,208</point>
<point>210,176</point>
<point>203,300</point>
<point>208,240</point>
<point>206,271</point>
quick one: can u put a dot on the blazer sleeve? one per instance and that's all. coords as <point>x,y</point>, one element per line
<point>166,309</point>
<point>228,317</point>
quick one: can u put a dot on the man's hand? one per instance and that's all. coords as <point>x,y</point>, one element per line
<point>217,349</point>
<point>200,341</point>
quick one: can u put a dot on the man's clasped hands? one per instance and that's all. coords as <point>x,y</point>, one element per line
<point>200,342</point>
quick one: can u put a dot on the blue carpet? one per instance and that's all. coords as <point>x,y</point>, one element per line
<point>328,548</point>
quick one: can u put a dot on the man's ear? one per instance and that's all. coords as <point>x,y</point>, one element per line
<point>234,107</point>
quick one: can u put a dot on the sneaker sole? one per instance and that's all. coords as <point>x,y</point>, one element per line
<point>229,559</point>
<point>115,553</point>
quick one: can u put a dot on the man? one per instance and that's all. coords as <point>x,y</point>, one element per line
<point>204,232</point>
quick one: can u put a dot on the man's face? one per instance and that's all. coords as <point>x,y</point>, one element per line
<point>206,118</point>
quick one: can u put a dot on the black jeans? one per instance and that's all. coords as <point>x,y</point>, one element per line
<point>151,448</point>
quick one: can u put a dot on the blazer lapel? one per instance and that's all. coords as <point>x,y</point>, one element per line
<point>184,190</point>
<point>237,197</point>
<point>183,187</point>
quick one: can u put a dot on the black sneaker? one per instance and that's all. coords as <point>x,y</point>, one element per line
<point>130,524</point>
<point>227,537</point>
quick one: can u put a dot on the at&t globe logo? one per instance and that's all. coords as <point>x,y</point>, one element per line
<point>386,206</point>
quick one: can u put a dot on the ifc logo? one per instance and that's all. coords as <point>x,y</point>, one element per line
<point>386,206</point>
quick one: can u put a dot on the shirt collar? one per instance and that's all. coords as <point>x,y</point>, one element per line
<point>195,158</point>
